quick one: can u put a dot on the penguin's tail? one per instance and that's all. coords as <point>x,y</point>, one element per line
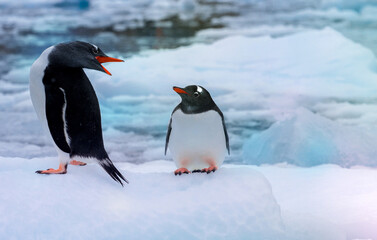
<point>109,167</point>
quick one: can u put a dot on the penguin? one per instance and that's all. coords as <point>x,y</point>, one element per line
<point>196,137</point>
<point>67,106</point>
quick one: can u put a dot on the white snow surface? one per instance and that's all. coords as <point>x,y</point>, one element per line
<point>326,202</point>
<point>236,202</point>
<point>87,204</point>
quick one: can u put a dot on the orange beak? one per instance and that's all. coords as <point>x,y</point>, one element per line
<point>179,90</point>
<point>105,59</point>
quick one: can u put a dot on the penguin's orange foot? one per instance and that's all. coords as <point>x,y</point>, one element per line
<point>179,171</point>
<point>210,169</point>
<point>77,163</point>
<point>61,170</point>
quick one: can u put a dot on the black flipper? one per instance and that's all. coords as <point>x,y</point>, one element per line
<point>167,137</point>
<point>109,167</point>
<point>169,129</point>
<point>217,109</point>
<point>54,113</point>
<point>226,136</point>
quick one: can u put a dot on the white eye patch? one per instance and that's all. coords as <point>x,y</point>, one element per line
<point>199,89</point>
<point>95,47</point>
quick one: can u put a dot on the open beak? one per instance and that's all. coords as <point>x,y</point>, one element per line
<point>179,90</point>
<point>105,59</point>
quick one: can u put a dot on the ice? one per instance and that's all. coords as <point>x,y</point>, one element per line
<point>308,139</point>
<point>87,204</point>
<point>264,30</point>
<point>348,4</point>
<point>290,60</point>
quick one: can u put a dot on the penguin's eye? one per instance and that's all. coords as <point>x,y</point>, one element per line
<point>95,50</point>
<point>196,94</point>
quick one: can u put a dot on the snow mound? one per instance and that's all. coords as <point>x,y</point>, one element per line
<point>85,203</point>
<point>308,139</point>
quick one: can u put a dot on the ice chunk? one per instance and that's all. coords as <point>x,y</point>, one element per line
<point>308,139</point>
<point>233,203</point>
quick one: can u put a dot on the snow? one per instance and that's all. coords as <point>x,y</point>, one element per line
<point>308,139</point>
<point>238,202</point>
<point>325,202</point>
<point>87,204</point>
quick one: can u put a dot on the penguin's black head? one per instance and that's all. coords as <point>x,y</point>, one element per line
<point>195,99</point>
<point>80,55</point>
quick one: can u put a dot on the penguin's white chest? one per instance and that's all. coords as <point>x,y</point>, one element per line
<point>37,90</point>
<point>197,138</point>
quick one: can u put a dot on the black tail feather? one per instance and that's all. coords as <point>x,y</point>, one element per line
<point>109,167</point>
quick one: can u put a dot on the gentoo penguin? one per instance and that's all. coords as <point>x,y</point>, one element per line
<point>197,135</point>
<point>67,106</point>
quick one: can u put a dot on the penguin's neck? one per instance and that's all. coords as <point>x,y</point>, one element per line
<point>63,76</point>
<point>195,109</point>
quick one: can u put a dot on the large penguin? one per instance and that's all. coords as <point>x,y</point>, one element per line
<point>197,137</point>
<point>67,105</point>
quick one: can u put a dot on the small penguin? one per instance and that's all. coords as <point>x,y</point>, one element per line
<point>197,137</point>
<point>67,105</point>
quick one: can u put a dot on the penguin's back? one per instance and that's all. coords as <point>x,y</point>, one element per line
<point>197,137</point>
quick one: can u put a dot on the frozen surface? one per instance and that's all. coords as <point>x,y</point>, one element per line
<point>325,202</point>
<point>85,203</point>
<point>237,202</point>
<point>308,139</point>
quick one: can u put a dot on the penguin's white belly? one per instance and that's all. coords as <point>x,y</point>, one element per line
<point>196,139</point>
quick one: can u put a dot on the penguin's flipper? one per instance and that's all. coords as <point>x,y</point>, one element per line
<point>109,167</point>
<point>167,137</point>
<point>55,104</point>
<point>217,109</point>
<point>169,129</point>
<point>77,163</point>
<point>61,170</point>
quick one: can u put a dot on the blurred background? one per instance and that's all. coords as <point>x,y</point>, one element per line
<point>150,34</point>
